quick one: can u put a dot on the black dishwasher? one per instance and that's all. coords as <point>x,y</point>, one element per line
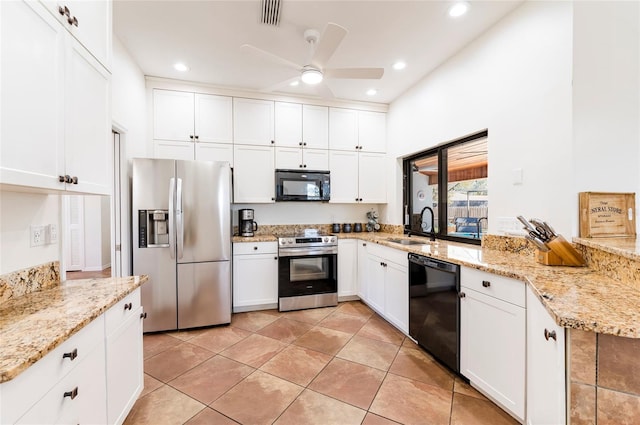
<point>434,308</point>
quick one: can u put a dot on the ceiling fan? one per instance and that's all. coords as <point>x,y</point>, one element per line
<point>322,48</point>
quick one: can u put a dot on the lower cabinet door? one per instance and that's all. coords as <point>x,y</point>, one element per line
<point>396,291</point>
<point>375,283</point>
<point>492,348</point>
<point>255,281</point>
<point>124,367</point>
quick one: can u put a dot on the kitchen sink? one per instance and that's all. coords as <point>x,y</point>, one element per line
<point>406,241</point>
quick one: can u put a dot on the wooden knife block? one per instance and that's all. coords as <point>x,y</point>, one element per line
<point>562,254</point>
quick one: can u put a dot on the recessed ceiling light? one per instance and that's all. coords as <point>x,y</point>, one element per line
<point>399,65</point>
<point>294,83</point>
<point>179,66</point>
<point>372,92</point>
<point>458,9</point>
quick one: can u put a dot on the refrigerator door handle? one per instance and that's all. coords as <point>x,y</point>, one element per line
<point>172,218</point>
<point>179,219</point>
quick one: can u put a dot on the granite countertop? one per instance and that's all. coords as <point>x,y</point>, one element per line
<point>624,247</point>
<point>34,324</point>
<point>576,297</point>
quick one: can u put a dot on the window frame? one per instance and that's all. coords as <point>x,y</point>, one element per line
<point>443,181</point>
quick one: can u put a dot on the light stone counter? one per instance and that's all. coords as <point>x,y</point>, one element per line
<point>33,324</point>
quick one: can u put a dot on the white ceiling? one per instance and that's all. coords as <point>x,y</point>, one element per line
<point>207,36</point>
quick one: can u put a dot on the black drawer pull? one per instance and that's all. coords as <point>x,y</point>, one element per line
<point>128,306</point>
<point>549,334</point>
<point>71,355</point>
<point>486,283</point>
<point>143,315</point>
<point>461,295</point>
<point>73,393</point>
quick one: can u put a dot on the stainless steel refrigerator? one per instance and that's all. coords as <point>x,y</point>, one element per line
<point>182,240</point>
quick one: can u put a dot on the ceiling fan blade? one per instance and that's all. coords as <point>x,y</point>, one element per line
<point>281,84</point>
<point>329,42</point>
<point>358,73</point>
<point>324,91</point>
<point>270,56</point>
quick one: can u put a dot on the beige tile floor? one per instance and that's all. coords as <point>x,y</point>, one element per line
<point>338,365</point>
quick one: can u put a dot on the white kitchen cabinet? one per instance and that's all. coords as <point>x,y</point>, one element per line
<point>388,284</point>
<point>347,268</point>
<point>493,337</point>
<point>253,174</point>
<point>546,383</point>
<point>253,122</point>
<point>352,130</point>
<point>255,276</point>
<point>64,134</point>
<point>192,126</point>
<point>292,158</point>
<point>315,127</point>
<point>125,379</point>
<point>343,129</point>
<point>372,131</point>
<point>357,177</point>
<point>90,24</point>
<point>288,124</point>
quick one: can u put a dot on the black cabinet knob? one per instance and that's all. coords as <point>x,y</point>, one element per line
<point>128,306</point>
<point>461,295</point>
<point>197,137</point>
<point>550,334</point>
<point>300,144</point>
<point>72,21</point>
<point>486,283</point>
<point>143,315</point>
<point>273,142</point>
<point>64,11</point>
<point>255,248</point>
<point>73,393</point>
<point>191,136</point>
<point>61,179</point>
<point>304,143</point>
<point>74,179</point>
<point>71,355</point>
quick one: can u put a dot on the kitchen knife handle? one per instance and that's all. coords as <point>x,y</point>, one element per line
<point>172,218</point>
<point>179,219</point>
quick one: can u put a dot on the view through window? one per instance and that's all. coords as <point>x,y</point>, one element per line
<point>457,197</point>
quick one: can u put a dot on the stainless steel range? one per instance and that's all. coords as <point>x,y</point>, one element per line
<point>307,270</point>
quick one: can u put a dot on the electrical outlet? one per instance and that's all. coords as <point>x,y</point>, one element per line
<point>52,234</point>
<point>37,236</point>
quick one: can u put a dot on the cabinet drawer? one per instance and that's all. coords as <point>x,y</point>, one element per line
<point>247,248</point>
<point>86,384</point>
<point>19,394</point>
<point>121,311</point>
<point>503,288</point>
<point>389,254</point>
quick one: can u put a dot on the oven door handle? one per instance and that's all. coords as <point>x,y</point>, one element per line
<point>306,252</point>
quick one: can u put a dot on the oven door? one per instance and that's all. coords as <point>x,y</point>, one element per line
<point>306,274</point>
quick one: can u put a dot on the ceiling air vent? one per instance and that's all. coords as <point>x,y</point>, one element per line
<point>271,12</point>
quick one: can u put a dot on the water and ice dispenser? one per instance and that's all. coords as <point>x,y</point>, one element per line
<point>153,228</point>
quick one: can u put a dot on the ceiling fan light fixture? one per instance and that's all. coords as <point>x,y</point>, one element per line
<point>311,76</point>
<point>458,9</point>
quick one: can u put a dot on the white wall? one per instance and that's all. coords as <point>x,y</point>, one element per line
<point>606,97</point>
<point>19,211</point>
<point>514,80</point>
<point>129,114</point>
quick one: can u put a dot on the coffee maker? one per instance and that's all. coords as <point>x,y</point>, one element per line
<point>246,225</point>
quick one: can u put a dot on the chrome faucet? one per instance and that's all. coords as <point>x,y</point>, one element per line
<point>432,233</point>
<point>479,224</point>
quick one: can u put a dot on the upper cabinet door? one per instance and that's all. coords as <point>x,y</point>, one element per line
<point>343,129</point>
<point>372,180</point>
<point>213,118</point>
<point>315,126</point>
<point>173,115</point>
<point>87,123</point>
<point>90,24</point>
<point>372,131</point>
<point>288,124</point>
<point>32,102</point>
<point>253,122</point>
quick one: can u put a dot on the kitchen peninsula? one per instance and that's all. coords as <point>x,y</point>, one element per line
<point>58,339</point>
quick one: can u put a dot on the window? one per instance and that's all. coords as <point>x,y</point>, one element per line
<point>453,204</point>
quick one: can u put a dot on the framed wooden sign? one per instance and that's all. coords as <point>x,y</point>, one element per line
<point>607,214</point>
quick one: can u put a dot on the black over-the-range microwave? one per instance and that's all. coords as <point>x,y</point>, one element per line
<point>298,185</point>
